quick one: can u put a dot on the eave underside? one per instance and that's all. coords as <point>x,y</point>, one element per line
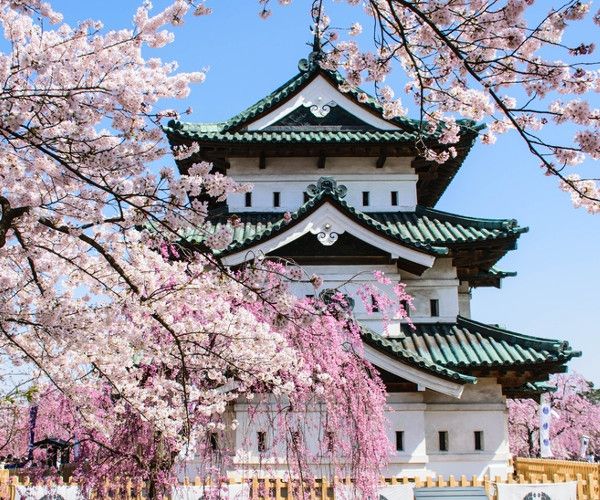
<point>434,178</point>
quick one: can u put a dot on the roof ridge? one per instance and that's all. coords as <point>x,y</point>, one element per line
<point>509,224</point>
<point>550,344</point>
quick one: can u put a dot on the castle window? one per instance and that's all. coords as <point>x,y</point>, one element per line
<point>374,304</point>
<point>296,439</point>
<point>394,198</point>
<point>365,198</point>
<point>443,440</point>
<point>329,438</point>
<point>406,307</point>
<point>306,197</point>
<point>214,441</point>
<point>434,305</point>
<point>261,438</point>
<point>478,435</point>
<point>276,199</point>
<point>248,199</point>
<point>399,440</point>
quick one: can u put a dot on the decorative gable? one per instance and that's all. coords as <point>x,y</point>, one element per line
<point>320,96</point>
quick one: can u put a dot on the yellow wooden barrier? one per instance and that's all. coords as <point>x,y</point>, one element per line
<point>587,474</point>
<point>322,489</point>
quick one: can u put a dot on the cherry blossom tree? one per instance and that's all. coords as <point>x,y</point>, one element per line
<point>502,62</point>
<point>131,343</point>
<point>574,415</point>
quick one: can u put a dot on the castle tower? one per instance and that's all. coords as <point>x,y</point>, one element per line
<point>361,199</point>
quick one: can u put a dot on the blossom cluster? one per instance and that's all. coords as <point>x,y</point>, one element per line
<point>137,343</point>
<point>453,71</point>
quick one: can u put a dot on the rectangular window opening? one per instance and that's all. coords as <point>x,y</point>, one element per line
<point>478,435</point>
<point>443,440</point>
<point>214,441</point>
<point>296,439</point>
<point>399,440</point>
<point>305,196</point>
<point>276,199</point>
<point>374,304</point>
<point>329,436</point>
<point>405,305</point>
<point>365,198</point>
<point>261,438</point>
<point>248,201</point>
<point>435,307</point>
<point>394,198</point>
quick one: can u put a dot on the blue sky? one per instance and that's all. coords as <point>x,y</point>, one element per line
<point>556,291</point>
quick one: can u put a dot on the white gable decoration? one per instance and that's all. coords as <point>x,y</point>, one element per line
<point>327,223</point>
<point>319,95</point>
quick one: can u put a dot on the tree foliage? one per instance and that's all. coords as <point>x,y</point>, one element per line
<point>574,415</point>
<point>511,64</point>
<point>137,345</point>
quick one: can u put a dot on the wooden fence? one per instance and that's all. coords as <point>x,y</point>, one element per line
<point>528,471</point>
<point>549,470</point>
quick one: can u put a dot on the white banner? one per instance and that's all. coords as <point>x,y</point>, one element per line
<point>227,492</point>
<point>396,492</point>
<point>392,492</point>
<point>553,491</point>
<point>45,493</point>
<point>545,416</point>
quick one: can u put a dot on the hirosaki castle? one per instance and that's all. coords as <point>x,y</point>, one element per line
<point>361,199</point>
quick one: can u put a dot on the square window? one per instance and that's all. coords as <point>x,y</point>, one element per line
<point>248,199</point>
<point>399,440</point>
<point>443,440</point>
<point>434,305</point>
<point>394,198</point>
<point>365,198</point>
<point>478,435</point>
<point>276,199</point>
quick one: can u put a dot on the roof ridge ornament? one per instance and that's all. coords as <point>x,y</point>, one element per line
<point>316,54</point>
<point>327,185</point>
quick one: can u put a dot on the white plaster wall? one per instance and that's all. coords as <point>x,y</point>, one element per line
<point>291,176</point>
<point>439,282</point>
<point>464,299</point>
<point>348,279</point>
<point>481,408</point>
<point>419,415</point>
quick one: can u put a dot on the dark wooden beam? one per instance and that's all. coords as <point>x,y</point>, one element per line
<point>381,160</point>
<point>321,161</point>
<point>262,161</point>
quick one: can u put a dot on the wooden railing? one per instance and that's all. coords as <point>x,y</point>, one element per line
<point>588,486</point>
<point>542,470</point>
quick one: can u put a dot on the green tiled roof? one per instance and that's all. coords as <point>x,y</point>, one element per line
<point>425,228</point>
<point>308,70</point>
<point>199,132</point>
<point>530,390</point>
<point>412,358</point>
<point>260,227</point>
<point>234,130</point>
<point>468,344</point>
